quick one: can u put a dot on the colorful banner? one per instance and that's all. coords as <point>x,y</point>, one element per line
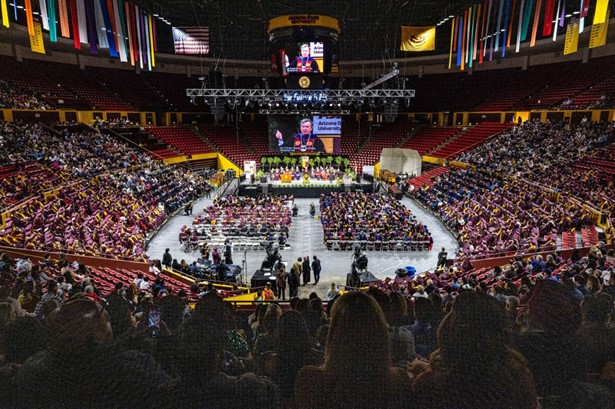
<point>571,44</point>
<point>527,16</point>
<point>511,16</point>
<point>75,24</point>
<point>90,16</point>
<point>53,26</point>
<point>82,21</point>
<point>459,36</point>
<point>599,31</point>
<point>108,28</point>
<point>499,25</point>
<point>487,33</point>
<point>520,25</point>
<point>64,25</point>
<point>416,39</point>
<point>536,20</point>
<point>5,13</point>
<point>450,53</point>
<point>29,20</point>
<point>129,24</point>
<point>547,21</point>
<point>559,4</point>
<point>44,17</point>
<point>151,41</point>
<point>504,35</point>
<point>119,33</point>
<point>37,44</point>
<point>601,10</point>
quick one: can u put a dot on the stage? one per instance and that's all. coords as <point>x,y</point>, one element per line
<point>300,189</point>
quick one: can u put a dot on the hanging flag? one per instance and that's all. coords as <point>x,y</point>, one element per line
<point>520,24</point>
<point>64,25</point>
<point>154,31</point>
<point>101,30</point>
<point>5,13</point>
<point>119,33</point>
<point>193,40</point>
<point>482,33</point>
<point>90,16</point>
<point>459,36</point>
<point>476,30</point>
<point>450,53</point>
<point>506,16</point>
<point>487,33</point>
<point>562,15</point>
<point>468,33</point>
<point>463,40</point>
<point>599,31</point>
<point>527,16</point>
<point>29,20</point>
<point>147,42</point>
<point>108,29</point>
<point>75,24</point>
<point>37,44</point>
<point>572,37</point>
<point>584,8</point>
<point>417,39</point>
<point>536,20</point>
<point>82,21</point>
<point>456,25</point>
<point>129,24</point>
<point>53,30</point>
<point>44,17</point>
<point>151,41</point>
<point>108,5</point>
<point>139,40</point>
<point>600,13</point>
<point>559,3</point>
<point>547,21</point>
<point>510,23</point>
<point>499,26</point>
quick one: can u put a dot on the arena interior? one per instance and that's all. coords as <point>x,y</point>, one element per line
<point>259,204</point>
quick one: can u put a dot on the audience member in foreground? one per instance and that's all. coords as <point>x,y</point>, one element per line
<point>357,372</point>
<point>473,367</point>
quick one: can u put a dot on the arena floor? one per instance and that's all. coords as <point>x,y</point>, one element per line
<point>306,239</point>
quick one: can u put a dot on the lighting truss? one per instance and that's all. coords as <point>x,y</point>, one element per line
<point>305,111</point>
<point>311,98</point>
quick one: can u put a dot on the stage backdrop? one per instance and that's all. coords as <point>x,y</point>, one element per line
<point>401,161</point>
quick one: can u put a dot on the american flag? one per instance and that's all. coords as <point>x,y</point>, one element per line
<point>191,40</point>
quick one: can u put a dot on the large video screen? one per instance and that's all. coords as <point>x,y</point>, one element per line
<point>303,57</point>
<point>305,133</point>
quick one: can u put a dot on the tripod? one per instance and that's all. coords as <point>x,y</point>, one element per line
<point>244,268</point>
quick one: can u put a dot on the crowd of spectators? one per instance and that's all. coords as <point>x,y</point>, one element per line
<point>545,343</point>
<point>14,97</point>
<point>527,186</point>
<point>85,192</point>
<point>365,217</point>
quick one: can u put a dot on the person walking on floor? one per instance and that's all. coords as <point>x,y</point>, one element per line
<point>306,270</point>
<point>316,267</point>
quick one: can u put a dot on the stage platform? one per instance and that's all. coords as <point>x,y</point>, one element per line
<point>299,189</point>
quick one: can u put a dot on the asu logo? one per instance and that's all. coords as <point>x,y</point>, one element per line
<point>304,82</point>
<point>418,39</point>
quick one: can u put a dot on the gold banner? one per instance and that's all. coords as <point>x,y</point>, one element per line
<point>37,44</point>
<point>298,20</point>
<point>418,38</point>
<point>602,6</point>
<point>599,31</point>
<point>571,45</point>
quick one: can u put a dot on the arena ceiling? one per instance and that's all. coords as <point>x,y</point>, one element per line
<point>370,28</point>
